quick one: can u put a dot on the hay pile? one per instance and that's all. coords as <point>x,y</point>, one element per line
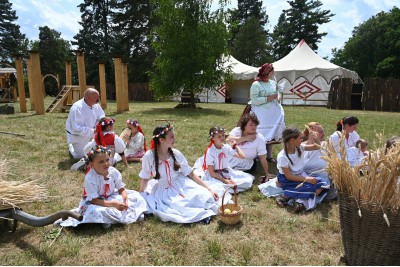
<point>374,182</point>
<point>15,193</point>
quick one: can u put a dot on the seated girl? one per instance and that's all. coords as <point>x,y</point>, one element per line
<point>216,158</point>
<point>105,199</point>
<point>105,136</point>
<point>294,181</point>
<point>135,141</point>
<point>180,196</point>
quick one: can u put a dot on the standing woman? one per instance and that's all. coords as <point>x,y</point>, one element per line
<point>265,105</point>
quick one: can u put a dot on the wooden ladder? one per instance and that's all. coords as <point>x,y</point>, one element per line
<point>58,101</point>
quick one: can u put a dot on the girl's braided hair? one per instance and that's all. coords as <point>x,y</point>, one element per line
<point>160,132</point>
<point>287,134</point>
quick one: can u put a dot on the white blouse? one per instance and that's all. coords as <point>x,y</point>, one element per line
<point>95,184</point>
<point>219,158</point>
<point>297,168</point>
<point>251,149</point>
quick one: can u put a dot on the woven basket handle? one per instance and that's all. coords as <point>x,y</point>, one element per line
<point>234,193</point>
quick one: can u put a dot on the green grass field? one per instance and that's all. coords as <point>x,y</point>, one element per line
<point>266,235</point>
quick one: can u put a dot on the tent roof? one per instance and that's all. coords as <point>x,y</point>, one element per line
<point>7,70</point>
<point>240,70</point>
<point>302,61</point>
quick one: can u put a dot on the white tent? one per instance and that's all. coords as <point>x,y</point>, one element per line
<point>308,76</point>
<point>243,77</point>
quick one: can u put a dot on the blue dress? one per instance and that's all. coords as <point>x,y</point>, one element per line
<point>305,191</point>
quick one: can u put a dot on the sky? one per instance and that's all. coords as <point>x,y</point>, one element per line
<point>64,16</point>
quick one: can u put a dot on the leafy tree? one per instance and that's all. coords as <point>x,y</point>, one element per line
<point>300,21</point>
<point>189,42</point>
<point>251,45</point>
<point>54,52</point>
<point>246,10</point>
<point>133,24</point>
<point>96,37</point>
<point>374,48</point>
<point>12,41</point>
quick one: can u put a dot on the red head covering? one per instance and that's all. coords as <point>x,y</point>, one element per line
<point>264,71</point>
<point>98,133</point>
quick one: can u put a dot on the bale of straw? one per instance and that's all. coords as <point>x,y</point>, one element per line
<point>15,193</point>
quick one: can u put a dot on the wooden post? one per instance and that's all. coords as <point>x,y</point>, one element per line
<point>37,82</point>
<point>102,79</point>
<point>68,81</point>
<point>126,86</point>
<point>119,94</point>
<point>30,83</point>
<point>81,72</point>
<point>21,87</point>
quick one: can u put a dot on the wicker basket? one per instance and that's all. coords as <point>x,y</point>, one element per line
<point>368,240</point>
<point>236,209</point>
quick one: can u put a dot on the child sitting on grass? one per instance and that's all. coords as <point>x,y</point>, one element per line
<point>291,176</point>
<point>105,199</point>
<point>135,141</point>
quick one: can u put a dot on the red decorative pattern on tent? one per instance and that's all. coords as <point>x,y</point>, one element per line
<point>305,89</point>
<point>222,90</point>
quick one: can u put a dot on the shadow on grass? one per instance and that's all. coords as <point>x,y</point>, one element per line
<point>186,112</point>
<point>40,254</point>
<point>92,229</point>
<point>222,227</point>
<point>325,208</point>
<point>66,164</point>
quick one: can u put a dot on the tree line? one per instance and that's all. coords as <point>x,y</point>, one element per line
<point>178,44</point>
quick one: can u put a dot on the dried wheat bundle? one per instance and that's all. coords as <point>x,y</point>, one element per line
<point>15,193</point>
<point>374,182</point>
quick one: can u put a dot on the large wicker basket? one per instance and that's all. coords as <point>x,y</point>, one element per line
<point>236,210</point>
<point>368,240</point>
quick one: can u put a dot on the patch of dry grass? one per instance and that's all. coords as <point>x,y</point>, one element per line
<point>266,235</point>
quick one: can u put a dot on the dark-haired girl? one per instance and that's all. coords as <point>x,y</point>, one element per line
<point>294,181</point>
<point>105,199</point>
<point>175,197</point>
<point>348,125</point>
<point>216,162</point>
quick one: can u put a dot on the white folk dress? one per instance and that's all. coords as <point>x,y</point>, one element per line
<point>135,146</point>
<point>270,114</point>
<point>176,197</point>
<point>97,187</point>
<point>251,150</point>
<point>219,159</point>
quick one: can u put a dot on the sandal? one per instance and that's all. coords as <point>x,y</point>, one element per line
<point>272,160</point>
<point>298,207</point>
<point>281,201</point>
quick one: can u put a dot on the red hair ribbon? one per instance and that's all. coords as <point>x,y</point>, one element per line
<point>205,155</point>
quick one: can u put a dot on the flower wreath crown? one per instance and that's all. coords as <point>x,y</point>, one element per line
<point>216,131</point>
<point>95,151</point>
<point>108,121</point>
<point>133,122</point>
<point>168,128</point>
